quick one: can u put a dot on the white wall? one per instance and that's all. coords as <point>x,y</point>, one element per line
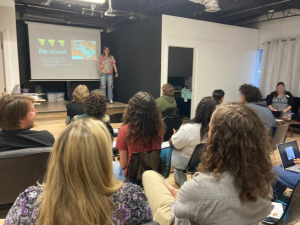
<point>224,57</point>
<point>280,29</point>
<point>8,29</point>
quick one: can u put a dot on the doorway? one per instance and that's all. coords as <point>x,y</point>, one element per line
<point>180,75</point>
<point>2,73</point>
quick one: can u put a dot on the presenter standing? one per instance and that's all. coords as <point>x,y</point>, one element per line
<point>106,66</point>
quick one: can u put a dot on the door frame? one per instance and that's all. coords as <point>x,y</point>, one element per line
<point>164,74</point>
<point>6,56</point>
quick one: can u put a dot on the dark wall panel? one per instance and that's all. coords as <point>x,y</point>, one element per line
<point>137,50</point>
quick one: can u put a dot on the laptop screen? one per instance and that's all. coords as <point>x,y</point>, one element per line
<point>288,152</point>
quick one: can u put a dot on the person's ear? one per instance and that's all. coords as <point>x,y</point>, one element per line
<point>222,100</point>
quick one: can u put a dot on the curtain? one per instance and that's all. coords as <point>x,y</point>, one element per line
<point>281,62</point>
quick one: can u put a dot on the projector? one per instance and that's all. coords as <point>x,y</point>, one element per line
<point>108,13</point>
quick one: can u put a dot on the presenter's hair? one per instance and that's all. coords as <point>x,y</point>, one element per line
<point>144,120</point>
<point>79,179</point>
<point>103,51</point>
<point>168,89</point>
<point>203,114</point>
<point>95,104</point>
<point>13,108</point>
<point>80,93</point>
<point>251,93</point>
<point>239,143</point>
<point>218,94</point>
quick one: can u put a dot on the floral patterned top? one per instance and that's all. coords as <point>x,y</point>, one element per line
<point>106,64</point>
<point>130,202</point>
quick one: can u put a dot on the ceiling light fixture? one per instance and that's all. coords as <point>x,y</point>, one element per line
<point>271,11</point>
<point>96,1</point>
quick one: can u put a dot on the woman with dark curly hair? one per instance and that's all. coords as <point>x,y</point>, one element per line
<point>95,107</point>
<point>251,95</point>
<point>233,182</point>
<point>143,130</point>
<point>189,136</point>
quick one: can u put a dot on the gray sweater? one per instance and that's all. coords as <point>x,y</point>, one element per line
<point>264,112</point>
<point>207,201</point>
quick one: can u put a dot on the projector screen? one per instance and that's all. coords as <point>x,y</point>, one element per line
<point>63,53</point>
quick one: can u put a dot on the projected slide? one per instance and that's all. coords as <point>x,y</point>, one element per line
<point>83,50</point>
<point>63,53</point>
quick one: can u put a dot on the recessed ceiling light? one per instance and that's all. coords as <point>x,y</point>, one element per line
<point>271,11</point>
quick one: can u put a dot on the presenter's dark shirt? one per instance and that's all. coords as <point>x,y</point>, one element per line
<point>74,109</point>
<point>20,139</point>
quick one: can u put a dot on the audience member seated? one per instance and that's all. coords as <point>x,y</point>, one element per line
<point>95,107</point>
<point>143,130</point>
<point>189,136</point>
<point>233,185</point>
<point>80,185</point>
<point>251,95</point>
<point>285,178</point>
<point>167,99</point>
<point>280,100</point>
<point>75,107</point>
<point>17,115</point>
<point>219,95</point>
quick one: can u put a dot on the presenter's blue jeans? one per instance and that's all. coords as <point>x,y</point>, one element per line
<point>109,79</point>
<point>284,179</point>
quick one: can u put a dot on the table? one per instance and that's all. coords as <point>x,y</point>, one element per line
<point>291,122</point>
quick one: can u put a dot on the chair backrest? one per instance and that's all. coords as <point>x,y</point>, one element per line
<point>170,111</point>
<point>172,122</point>
<point>116,117</point>
<point>157,160</point>
<point>293,212</point>
<point>279,135</point>
<point>20,169</point>
<point>195,159</point>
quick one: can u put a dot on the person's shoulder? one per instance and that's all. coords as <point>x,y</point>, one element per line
<point>131,188</point>
<point>272,93</point>
<point>190,126</point>
<point>32,193</point>
<point>124,127</point>
<point>288,93</point>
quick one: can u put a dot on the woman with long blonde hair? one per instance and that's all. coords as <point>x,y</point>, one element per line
<point>80,187</point>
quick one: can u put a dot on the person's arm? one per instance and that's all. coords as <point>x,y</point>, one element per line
<point>180,138</point>
<point>290,102</point>
<point>297,162</point>
<point>269,102</point>
<point>170,141</point>
<point>287,109</point>
<point>99,67</point>
<point>123,158</point>
<point>115,67</point>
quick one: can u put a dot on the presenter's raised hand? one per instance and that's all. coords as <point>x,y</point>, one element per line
<point>117,75</point>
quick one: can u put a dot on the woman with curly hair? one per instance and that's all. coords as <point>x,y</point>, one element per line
<point>233,182</point>
<point>143,130</point>
<point>95,107</point>
<point>189,136</point>
<point>251,95</point>
<point>75,107</point>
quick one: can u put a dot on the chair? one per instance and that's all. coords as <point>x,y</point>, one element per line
<point>116,117</point>
<point>169,111</point>
<point>151,223</point>
<point>157,160</point>
<point>19,170</point>
<point>195,160</point>
<point>172,122</point>
<point>293,211</point>
<point>280,134</point>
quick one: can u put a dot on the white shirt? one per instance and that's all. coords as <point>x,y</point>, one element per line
<point>186,139</point>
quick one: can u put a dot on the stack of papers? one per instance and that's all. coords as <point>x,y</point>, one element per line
<point>277,210</point>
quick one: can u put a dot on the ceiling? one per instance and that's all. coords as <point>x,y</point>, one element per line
<point>232,12</point>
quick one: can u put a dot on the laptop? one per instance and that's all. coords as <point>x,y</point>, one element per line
<point>288,152</point>
<point>276,114</point>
